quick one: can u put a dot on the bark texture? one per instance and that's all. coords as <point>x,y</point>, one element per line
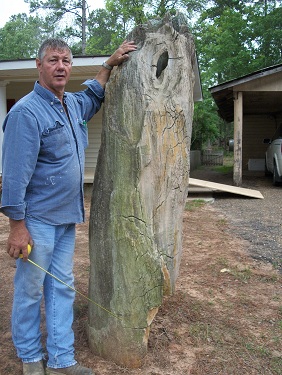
<point>140,189</point>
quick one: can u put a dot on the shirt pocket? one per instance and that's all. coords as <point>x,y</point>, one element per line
<point>56,142</point>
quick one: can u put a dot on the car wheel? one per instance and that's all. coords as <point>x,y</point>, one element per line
<point>276,181</point>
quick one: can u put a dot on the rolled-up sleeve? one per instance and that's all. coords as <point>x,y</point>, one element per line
<point>90,99</point>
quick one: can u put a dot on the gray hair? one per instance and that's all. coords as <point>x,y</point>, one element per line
<point>53,44</point>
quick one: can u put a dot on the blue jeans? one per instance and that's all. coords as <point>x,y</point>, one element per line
<point>53,250</point>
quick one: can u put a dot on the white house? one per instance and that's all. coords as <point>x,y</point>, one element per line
<point>17,78</point>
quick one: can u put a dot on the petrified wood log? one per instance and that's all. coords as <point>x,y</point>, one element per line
<point>140,189</point>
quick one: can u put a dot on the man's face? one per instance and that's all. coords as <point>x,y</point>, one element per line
<point>54,70</point>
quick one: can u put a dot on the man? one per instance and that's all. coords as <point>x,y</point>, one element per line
<point>45,135</point>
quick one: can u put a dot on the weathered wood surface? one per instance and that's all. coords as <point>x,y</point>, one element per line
<point>140,189</point>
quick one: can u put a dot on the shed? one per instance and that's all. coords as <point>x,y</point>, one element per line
<point>254,103</point>
<point>17,79</point>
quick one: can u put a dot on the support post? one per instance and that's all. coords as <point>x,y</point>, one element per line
<point>238,136</point>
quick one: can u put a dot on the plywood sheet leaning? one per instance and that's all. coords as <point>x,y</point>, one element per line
<point>227,188</point>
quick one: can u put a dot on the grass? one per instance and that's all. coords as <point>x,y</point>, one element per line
<point>227,166</point>
<point>243,275</point>
<point>223,169</point>
<point>222,222</point>
<point>194,204</point>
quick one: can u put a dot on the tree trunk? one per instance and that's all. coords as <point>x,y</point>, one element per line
<point>140,189</point>
<point>83,27</point>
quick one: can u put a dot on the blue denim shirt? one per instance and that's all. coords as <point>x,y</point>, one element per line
<point>44,152</point>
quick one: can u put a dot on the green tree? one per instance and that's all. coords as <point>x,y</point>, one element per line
<point>265,20</point>
<point>234,38</point>
<point>190,8</point>
<point>205,125</point>
<point>105,32</point>
<point>109,27</point>
<point>130,12</point>
<point>21,37</point>
<point>57,11</point>
<point>223,44</point>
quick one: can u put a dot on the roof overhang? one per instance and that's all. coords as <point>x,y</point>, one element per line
<point>26,71</point>
<point>262,93</point>
<point>84,67</point>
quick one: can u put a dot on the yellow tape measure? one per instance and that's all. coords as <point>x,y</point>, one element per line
<point>28,251</point>
<point>69,286</point>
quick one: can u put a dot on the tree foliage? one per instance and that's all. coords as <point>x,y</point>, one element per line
<point>106,32</point>
<point>266,30</point>
<point>67,17</point>
<point>21,37</point>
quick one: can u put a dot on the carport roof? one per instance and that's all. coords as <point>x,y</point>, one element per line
<point>262,93</point>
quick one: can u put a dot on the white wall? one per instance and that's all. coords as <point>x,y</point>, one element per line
<point>94,137</point>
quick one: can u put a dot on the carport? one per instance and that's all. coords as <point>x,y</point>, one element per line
<point>254,103</point>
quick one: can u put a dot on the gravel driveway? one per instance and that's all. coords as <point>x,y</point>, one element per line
<point>258,221</point>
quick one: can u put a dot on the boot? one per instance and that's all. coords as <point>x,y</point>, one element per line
<point>33,368</point>
<point>72,370</point>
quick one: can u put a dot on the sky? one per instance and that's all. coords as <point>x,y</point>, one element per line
<point>8,8</point>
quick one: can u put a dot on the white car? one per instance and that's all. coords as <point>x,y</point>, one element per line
<point>273,157</point>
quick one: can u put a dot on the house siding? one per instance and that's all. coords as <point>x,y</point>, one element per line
<point>94,139</point>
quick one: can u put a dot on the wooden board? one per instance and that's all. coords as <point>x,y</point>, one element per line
<point>228,188</point>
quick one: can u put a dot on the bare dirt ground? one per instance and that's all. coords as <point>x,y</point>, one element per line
<point>225,316</point>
